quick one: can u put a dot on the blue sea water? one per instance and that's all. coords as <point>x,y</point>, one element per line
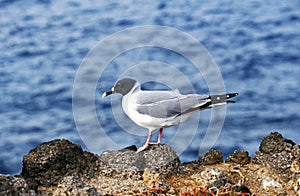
<point>256,45</point>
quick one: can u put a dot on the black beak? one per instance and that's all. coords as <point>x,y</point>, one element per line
<point>107,93</point>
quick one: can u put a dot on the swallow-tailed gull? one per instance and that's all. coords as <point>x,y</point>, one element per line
<point>160,109</point>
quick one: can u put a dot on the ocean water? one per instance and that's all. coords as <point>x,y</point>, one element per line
<point>256,46</point>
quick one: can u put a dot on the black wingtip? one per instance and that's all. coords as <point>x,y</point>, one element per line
<point>230,95</point>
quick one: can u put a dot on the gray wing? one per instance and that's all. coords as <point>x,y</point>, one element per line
<point>164,104</point>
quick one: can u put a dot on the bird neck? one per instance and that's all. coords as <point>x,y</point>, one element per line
<point>126,100</point>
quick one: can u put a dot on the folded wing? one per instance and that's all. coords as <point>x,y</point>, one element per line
<point>165,104</point>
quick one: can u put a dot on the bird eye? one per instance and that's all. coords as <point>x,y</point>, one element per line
<point>119,84</point>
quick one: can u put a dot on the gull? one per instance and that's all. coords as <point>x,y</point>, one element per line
<point>161,109</point>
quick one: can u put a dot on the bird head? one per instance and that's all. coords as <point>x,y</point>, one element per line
<point>122,86</point>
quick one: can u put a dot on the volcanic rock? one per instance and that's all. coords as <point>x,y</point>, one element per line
<point>49,162</point>
<point>61,167</point>
<point>278,154</point>
<point>239,157</point>
<point>127,163</point>
<point>211,157</point>
<point>10,185</point>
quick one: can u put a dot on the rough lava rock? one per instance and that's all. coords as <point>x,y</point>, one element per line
<point>49,162</point>
<point>10,185</point>
<point>74,186</point>
<point>61,167</point>
<point>211,157</point>
<point>275,143</point>
<point>127,163</point>
<point>278,154</point>
<point>239,157</point>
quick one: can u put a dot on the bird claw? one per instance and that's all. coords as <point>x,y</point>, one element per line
<point>146,145</point>
<point>142,148</point>
<point>154,143</point>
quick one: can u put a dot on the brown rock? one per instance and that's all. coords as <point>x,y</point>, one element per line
<point>275,143</point>
<point>211,157</point>
<point>277,154</point>
<point>239,157</point>
<point>60,167</point>
<point>10,185</point>
<point>49,162</point>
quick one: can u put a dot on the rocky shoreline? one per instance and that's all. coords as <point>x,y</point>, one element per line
<point>60,167</point>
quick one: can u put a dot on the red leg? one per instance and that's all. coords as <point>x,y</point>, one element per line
<point>159,137</point>
<point>146,143</point>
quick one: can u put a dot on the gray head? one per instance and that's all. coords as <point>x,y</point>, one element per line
<point>122,86</point>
